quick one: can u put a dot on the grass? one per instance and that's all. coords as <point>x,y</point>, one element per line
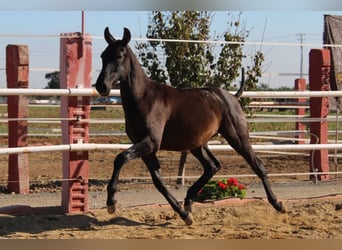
<point>284,126</point>
<point>273,126</point>
<point>42,112</point>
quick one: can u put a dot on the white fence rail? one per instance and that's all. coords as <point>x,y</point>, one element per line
<point>93,146</point>
<point>93,92</point>
<point>116,92</point>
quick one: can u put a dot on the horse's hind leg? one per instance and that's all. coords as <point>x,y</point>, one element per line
<point>210,165</point>
<point>238,139</point>
<point>153,165</point>
<point>259,169</point>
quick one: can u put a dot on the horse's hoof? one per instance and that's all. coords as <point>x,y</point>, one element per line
<point>280,207</point>
<point>111,208</point>
<point>189,219</point>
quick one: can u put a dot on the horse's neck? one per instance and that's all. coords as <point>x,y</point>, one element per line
<point>137,82</point>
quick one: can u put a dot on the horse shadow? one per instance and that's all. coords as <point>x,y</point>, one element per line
<point>36,220</point>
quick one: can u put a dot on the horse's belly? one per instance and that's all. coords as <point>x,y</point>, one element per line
<point>190,132</point>
<point>185,140</point>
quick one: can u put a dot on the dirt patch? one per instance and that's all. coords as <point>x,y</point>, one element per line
<point>254,220</point>
<point>314,219</point>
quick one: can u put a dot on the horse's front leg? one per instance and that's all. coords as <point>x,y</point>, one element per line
<point>135,151</point>
<point>153,165</point>
<point>112,185</point>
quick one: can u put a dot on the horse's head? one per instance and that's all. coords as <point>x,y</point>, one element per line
<point>115,63</point>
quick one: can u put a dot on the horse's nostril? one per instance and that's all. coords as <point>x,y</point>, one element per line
<point>102,89</point>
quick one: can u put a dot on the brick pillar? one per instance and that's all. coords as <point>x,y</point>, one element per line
<point>300,85</point>
<point>319,79</point>
<point>75,66</point>
<point>17,72</point>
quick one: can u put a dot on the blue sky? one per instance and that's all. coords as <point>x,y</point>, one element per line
<point>276,26</point>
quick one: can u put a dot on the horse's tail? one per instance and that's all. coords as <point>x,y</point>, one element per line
<point>242,86</point>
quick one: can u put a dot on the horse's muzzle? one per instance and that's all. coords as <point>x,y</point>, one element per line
<point>102,89</point>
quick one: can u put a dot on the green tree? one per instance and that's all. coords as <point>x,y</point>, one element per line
<point>185,63</point>
<point>53,78</point>
<point>190,64</point>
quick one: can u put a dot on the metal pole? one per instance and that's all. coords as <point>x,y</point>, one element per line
<point>82,23</point>
<point>301,39</point>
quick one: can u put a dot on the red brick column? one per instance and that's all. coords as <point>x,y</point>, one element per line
<point>319,79</point>
<point>17,72</point>
<point>75,65</point>
<point>300,85</point>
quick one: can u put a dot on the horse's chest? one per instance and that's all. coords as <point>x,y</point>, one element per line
<point>135,127</point>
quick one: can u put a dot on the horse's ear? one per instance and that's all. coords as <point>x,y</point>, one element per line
<point>126,36</point>
<point>108,37</point>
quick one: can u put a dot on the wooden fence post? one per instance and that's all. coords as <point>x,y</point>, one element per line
<point>319,80</point>
<point>75,66</point>
<point>17,73</point>
<point>300,85</point>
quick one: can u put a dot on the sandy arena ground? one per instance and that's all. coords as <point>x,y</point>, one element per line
<point>313,210</point>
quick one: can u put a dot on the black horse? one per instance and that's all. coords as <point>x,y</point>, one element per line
<point>160,117</point>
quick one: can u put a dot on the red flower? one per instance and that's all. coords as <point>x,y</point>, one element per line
<point>222,185</point>
<point>232,182</point>
<point>241,187</point>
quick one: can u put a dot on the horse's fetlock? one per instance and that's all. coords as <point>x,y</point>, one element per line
<point>188,205</point>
